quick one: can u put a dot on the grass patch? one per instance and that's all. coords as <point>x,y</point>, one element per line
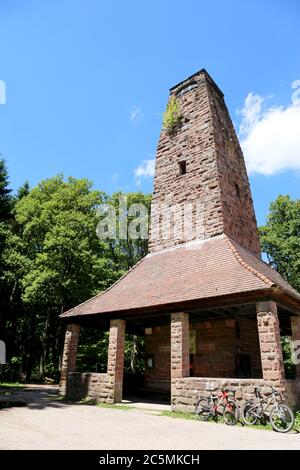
<point>8,385</point>
<point>179,414</point>
<point>218,420</point>
<point>115,406</point>
<point>55,398</point>
<point>297,421</point>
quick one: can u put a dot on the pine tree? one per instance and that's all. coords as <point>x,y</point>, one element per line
<point>5,193</point>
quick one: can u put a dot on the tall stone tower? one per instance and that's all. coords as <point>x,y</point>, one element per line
<point>200,173</point>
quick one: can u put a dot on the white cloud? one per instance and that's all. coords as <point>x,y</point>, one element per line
<point>250,112</point>
<point>144,170</point>
<point>136,114</point>
<point>270,135</point>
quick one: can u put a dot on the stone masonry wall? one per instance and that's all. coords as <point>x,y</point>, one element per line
<point>186,391</point>
<point>107,387</point>
<point>215,354</point>
<point>215,174</point>
<point>217,344</point>
<point>69,355</point>
<point>158,344</point>
<point>90,386</point>
<point>239,219</point>
<point>115,360</point>
<point>270,342</point>
<point>180,353</point>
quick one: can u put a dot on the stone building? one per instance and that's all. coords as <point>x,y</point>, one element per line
<point>210,309</point>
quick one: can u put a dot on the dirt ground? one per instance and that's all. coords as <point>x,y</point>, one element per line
<point>44,422</point>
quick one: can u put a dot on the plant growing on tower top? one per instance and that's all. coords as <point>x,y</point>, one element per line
<point>172,116</point>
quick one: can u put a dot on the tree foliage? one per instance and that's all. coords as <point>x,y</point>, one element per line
<point>51,260</point>
<point>5,193</point>
<point>280,238</point>
<point>126,250</point>
<point>280,241</point>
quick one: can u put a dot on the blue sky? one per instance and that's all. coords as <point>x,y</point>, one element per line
<point>87,81</point>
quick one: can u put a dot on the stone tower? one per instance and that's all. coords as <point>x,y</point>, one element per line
<point>200,173</point>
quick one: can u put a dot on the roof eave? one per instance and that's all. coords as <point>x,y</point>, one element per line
<point>218,301</point>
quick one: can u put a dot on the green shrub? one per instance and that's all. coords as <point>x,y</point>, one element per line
<point>297,421</point>
<point>172,116</point>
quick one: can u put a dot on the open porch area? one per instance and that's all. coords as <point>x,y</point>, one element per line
<point>234,345</point>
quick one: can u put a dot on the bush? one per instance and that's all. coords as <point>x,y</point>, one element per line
<point>172,116</point>
<point>297,421</point>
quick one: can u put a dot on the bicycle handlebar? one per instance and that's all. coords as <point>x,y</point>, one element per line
<point>257,390</point>
<point>228,390</point>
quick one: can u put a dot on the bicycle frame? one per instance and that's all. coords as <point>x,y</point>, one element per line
<point>265,405</point>
<point>218,400</point>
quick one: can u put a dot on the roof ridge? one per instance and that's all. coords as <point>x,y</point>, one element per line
<point>106,290</point>
<point>243,263</point>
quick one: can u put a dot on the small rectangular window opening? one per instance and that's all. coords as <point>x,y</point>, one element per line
<point>237,190</point>
<point>182,168</point>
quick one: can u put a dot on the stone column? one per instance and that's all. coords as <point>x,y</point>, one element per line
<point>180,353</point>
<point>295,325</point>
<point>69,355</point>
<point>115,360</point>
<point>269,340</point>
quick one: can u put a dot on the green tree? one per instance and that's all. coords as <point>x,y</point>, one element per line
<point>65,261</point>
<point>131,210</point>
<point>280,241</point>
<point>280,238</point>
<point>132,216</point>
<point>23,190</point>
<point>5,193</point>
<point>5,228</point>
<point>52,260</point>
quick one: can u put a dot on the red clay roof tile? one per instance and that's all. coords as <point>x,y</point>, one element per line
<point>193,271</point>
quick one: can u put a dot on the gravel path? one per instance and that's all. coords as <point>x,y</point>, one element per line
<point>46,423</point>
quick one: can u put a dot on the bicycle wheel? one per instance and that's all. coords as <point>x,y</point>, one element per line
<point>282,418</point>
<point>231,413</point>
<point>249,413</point>
<point>203,409</point>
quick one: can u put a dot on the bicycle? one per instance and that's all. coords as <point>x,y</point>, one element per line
<point>280,416</point>
<point>207,408</point>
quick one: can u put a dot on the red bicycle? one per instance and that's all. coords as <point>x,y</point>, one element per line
<point>223,404</point>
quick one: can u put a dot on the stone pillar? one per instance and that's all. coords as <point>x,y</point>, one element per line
<point>180,353</point>
<point>115,360</point>
<point>269,340</point>
<point>295,325</point>
<point>69,355</point>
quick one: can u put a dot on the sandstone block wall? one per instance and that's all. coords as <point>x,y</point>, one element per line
<point>69,355</point>
<point>270,342</point>
<point>216,346</point>
<point>215,174</point>
<point>186,391</point>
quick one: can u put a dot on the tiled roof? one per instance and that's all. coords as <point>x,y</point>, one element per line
<point>190,272</point>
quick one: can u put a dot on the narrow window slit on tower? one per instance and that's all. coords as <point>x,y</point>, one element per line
<point>237,190</point>
<point>182,168</point>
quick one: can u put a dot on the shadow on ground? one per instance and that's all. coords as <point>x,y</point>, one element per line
<point>32,396</point>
